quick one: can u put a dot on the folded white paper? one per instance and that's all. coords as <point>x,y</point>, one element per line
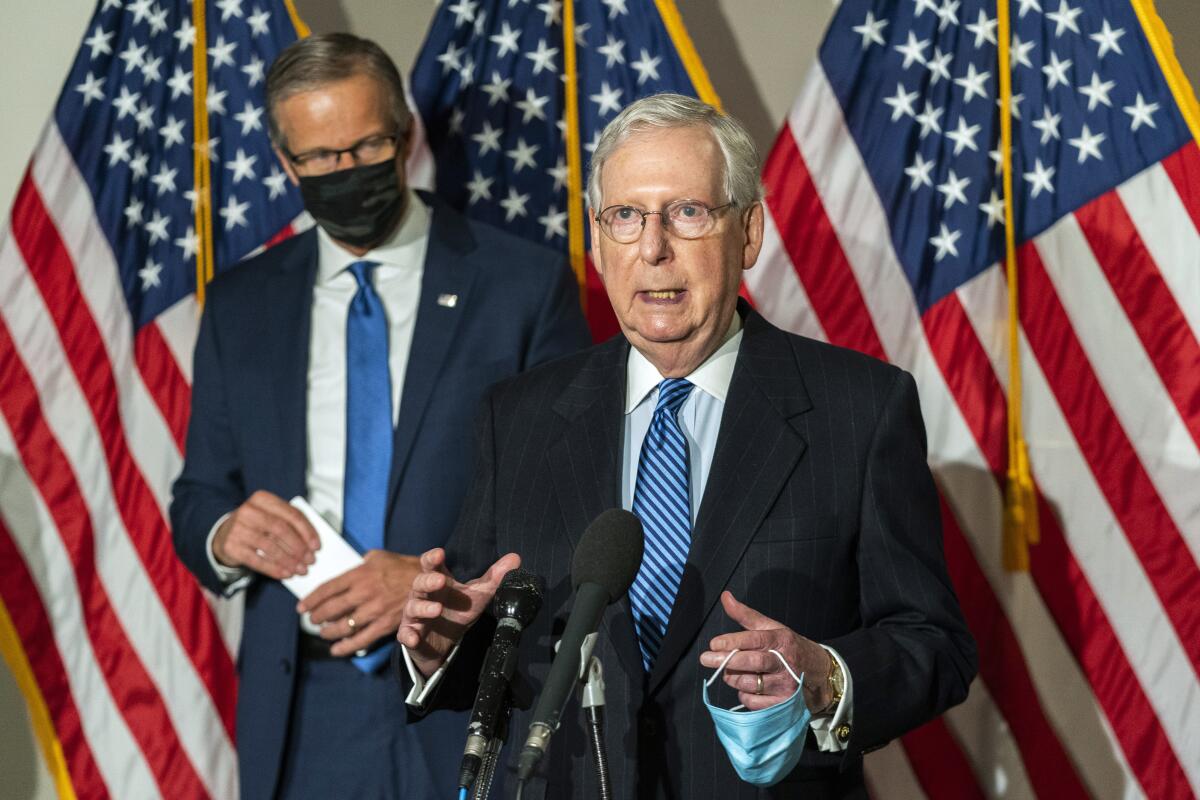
<point>335,556</point>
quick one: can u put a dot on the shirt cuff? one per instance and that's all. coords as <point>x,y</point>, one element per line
<point>234,578</point>
<point>826,728</point>
<point>422,687</point>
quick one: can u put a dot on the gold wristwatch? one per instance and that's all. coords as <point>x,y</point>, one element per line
<point>837,682</point>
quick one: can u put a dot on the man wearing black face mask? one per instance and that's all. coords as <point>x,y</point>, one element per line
<point>344,365</point>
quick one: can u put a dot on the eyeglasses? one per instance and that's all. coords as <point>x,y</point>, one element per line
<point>370,150</point>
<point>687,219</point>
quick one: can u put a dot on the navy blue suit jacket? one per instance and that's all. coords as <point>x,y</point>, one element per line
<point>516,306</point>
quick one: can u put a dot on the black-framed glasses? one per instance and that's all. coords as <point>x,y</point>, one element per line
<point>371,150</point>
<point>687,219</point>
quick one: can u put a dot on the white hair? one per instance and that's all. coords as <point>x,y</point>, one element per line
<point>664,111</point>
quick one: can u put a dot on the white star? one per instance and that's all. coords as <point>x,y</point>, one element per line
<point>463,11</point>
<point>133,55</point>
<point>953,189</point>
<point>258,22</point>
<point>256,71</point>
<point>998,158</point>
<point>1014,105</point>
<point>157,227</point>
<point>1108,39</point>
<point>913,50</point>
<point>276,182</point>
<point>918,173</point>
<point>532,106</point>
<point>1064,18</point>
<point>555,222</point>
<point>215,102</point>
<point>1028,4</point>
<point>613,52</point>
<point>925,4</point>
<point>948,13</point>
<point>222,53</point>
<point>871,30</point>
<point>111,4</point>
<point>467,73</point>
<point>608,99</point>
<point>963,136</point>
<point>983,28</point>
<point>1020,52</point>
<point>1056,71</point>
<point>158,21</point>
<point>449,59</point>
<point>191,196</point>
<point>497,90</point>
<point>543,58</point>
<point>1048,125</point>
<point>172,131</point>
<point>189,243</point>
<point>1141,112</point>
<point>559,173</point>
<point>137,164</point>
<point>209,148</point>
<point>647,68</point>
<point>229,8</point>
<point>506,39</point>
<point>480,22</point>
<point>186,34</point>
<point>994,208</point>
<point>457,117</point>
<point>150,73</point>
<point>514,205</point>
<point>180,83</point>
<point>488,138</point>
<point>164,179</point>
<point>939,65</point>
<point>580,30</point>
<point>972,83</point>
<point>242,166</point>
<point>145,117</point>
<point>480,188</point>
<point>150,274</point>
<point>1041,178</point>
<point>99,42</point>
<point>553,11</point>
<point>523,155</point>
<point>594,143</point>
<point>1088,144</point>
<point>92,88</point>
<point>234,213</point>
<point>140,9</point>
<point>945,242</point>
<point>930,119</point>
<point>615,8</point>
<point>126,104</point>
<point>1097,91</point>
<point>133,212</point>
<point>250,117</point>
<point>901,102</point>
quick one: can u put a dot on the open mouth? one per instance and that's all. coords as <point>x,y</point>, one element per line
<point>663,295</point>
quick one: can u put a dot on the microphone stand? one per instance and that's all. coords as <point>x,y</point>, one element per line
<point>593,707</point>
<point>491,756</point>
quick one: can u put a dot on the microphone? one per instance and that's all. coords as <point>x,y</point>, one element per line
<point>606,562</point>
<point>515,605</point>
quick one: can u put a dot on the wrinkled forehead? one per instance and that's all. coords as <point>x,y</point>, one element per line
<point>683,162</point>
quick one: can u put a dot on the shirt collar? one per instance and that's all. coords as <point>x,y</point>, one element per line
<point>712,376</point>
<point>398,250</point>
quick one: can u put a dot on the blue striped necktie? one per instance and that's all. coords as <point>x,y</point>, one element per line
<point>368,428</point>
<point>661,502</point>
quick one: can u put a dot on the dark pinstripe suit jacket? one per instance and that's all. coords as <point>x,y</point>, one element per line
<point>819,511</point>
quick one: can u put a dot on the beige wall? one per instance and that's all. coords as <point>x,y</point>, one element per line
<point>757,52</point>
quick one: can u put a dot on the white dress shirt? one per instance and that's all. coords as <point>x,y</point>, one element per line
<point>397,281</point>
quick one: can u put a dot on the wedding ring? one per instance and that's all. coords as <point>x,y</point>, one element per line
<point>759,688</point>
<point>351,623</point>
<point>260,552</point>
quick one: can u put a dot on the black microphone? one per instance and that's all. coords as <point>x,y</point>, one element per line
<point>606,562</point>
<point>515,605</point>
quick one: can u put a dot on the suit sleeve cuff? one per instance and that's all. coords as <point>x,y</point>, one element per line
<point>234,578</point>
<point>833,732</point>
<point>424,688</point>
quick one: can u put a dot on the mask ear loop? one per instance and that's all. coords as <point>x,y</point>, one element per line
<point>721,668</point>
<point>799,679</point>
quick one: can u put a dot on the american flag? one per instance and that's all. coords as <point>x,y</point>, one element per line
<point>126,665</point>
<point>490,86</point>
<point>886,221</point>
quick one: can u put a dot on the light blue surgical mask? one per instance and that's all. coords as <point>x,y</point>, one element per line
<point>763,745</point>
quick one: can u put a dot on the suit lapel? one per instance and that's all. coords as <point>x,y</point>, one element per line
<point>757,449</point>
<point>586,466</point>
<point>449,273</point>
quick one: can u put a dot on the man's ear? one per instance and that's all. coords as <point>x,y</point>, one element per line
<point>597,258</point>
<point>287,165</point>
<point>753,227</point>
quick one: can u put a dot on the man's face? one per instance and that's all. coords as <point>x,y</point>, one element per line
<point>336,116</point>
<point>674,297</point>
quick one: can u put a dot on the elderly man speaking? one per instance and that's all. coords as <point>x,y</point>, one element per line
<point>791,522</point>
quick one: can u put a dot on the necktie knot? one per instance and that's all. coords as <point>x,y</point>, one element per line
<point>672,393</point>
<point>361,270</point>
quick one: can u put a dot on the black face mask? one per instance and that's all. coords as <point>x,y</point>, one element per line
<point>358,206</point>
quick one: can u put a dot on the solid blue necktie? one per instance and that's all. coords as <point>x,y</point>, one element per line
<point>661,502</point>
<point>368,428</point>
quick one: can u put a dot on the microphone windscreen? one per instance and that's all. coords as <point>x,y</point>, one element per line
<point>519,596</point>
<point>609,553</point>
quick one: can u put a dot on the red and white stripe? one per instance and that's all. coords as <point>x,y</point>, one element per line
<point>133,661</point>
<point>1089,666</point>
